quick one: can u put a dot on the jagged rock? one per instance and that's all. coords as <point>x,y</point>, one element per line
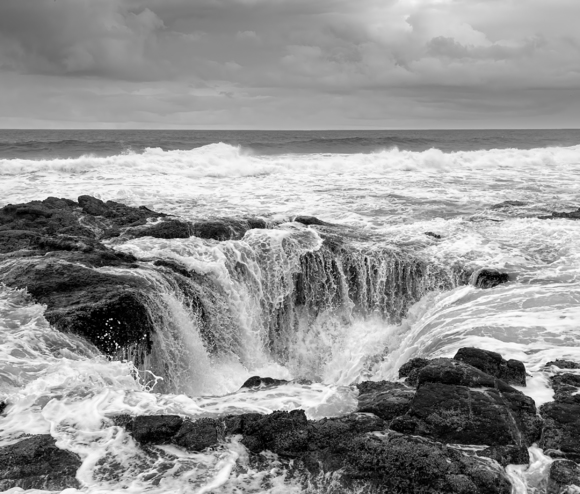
<point>510,371</point>
<point>226,228</point>
<point>3,406</point>
<point>262,382</point>
<point>36,463</point>
<point>564,364</point>
<point>384,399</point>
<point>411,370</point>
<point>434,235</point>
<point>490,278</point>
<point>398,464</point>
<point>120,214</point>
<point>199,434</point>
<point>572,215</point>
<point>566,387</point>
<point>154,429</point>
<point>110,310</point>
<point>563,475</point>
<point>507,455</point>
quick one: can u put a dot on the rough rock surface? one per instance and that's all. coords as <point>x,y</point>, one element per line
<point>434,235</point>
<point>226,228</point>
<point>492,363</point>
<point>411,370</point>
<point>563,475</point>
<point>564,364</point>
<point>490,278</point>
<point>384,399</point>
<point>561,433</point>
<point>36,463</point>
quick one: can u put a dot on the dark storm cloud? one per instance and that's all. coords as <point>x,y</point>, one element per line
<point>289,63</point>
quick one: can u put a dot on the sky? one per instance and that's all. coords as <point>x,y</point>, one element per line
<point>289,64</point>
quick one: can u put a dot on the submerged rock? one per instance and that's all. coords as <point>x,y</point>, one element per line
<point>434,235</point>
<point>37,463</point>
<point>489,278</point>
<point>572,215</point>
<point>384,399</point>
<point>3,406</point>
<point>510,371</point>
<point>564,475</point>
<point>509,204</point>
<point>310,220</point>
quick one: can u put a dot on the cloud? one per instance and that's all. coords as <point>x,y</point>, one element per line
<point>264,61</point>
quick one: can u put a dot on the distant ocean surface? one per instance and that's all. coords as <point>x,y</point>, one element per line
<point>449,200</point>
<point>34,144</point>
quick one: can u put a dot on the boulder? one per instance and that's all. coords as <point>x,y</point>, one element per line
<point>154,429</point>
<point>510,371</point>
<point>489,278</point>
<point>434,235</point>
<point>226,228</point>
<point>384,399</point>
<point>411,370</point>
<point>120,215</point>
<point>564,475</point>
<point>3,406</point>
<point>168,228</point>
<point>199,434</point>
<point>37,463</point>
<point>262,382</point>
<point>566,387</point>
<point>310,220</point>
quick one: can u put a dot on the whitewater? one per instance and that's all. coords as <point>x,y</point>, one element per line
<point>482,207</point>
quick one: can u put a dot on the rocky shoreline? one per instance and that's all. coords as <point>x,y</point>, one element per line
<point>449,425</point>
<point>449,428</point>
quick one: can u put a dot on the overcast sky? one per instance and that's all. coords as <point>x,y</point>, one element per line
<point>297,64</point>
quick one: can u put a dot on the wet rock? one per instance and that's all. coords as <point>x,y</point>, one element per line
<point>3,406</point>
<point>561,432</point>
<point>510,371</point>
<point>110,310</point>
<point>572,215</point>
<point>398,464</point>
<point>167,229</point>
<point>262,382</point>
<point>226,228</point>
<point>119,214</point>
<point>489,278</point>
<point>199,434</point>
<point>411,370</point>
<point>507,455</point>
<point>564,475</point>
<point>434,235</point>
<point>566,387</point>
<point>460,415</point>
<point>236,424</point>
<point>283,433</point>
<point>154,429</point>
<point>564,364</point>
<point>36,463</point>
<point>384,399</point>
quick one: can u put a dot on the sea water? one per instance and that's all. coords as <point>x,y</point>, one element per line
<point>386,189</point>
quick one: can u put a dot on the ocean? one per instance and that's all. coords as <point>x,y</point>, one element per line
<point>478,193</point>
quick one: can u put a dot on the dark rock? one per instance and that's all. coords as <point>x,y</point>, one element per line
<point>36,463</point>
<point>262,382</point>
<point>155,429</point>
<point>310,220</point>
<point>110,310</point>
<point>283,433</point>
<point>397,464</point>
<point>171,228</point>
<point>434,235</point>
<point>566,387</point>
<point>119,214</point>
<point>572,215</point>
<point>384,399</point>
<point>236,424</point>
<point>563,475</point>
<point>411,369</point>
<point>3,406</point>
<point>489,278</point>
<point>226,228</point>
<point>561,433</point>
<point>460,415</point>
<point>508,204</point>
<point>199,434</point>
<point>564,364</point>
<point>511,371</point>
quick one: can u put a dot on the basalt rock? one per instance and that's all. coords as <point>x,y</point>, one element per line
<point>226,228</point>
<point>262,382</point>
<point>564,477</point>
<point>384,399</point>
<point>154,429</point>
<point>120,215</point>
<point>199,434</point>
<point>411,370</point>
<point>489,278</point>
<point>37,463</point>
<point>510,371</point>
